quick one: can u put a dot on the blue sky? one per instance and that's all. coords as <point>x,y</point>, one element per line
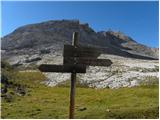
<point>139,20</point>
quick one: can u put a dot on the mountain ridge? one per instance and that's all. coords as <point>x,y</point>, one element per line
<point>60,32</point>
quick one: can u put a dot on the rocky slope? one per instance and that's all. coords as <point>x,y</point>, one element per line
<point>31,45</point>
<point>124,72</point>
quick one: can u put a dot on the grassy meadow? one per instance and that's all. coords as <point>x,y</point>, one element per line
<point>41,101</point>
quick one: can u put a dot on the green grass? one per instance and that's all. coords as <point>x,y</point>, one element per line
<point>53,102</point>
<point>150,80</point>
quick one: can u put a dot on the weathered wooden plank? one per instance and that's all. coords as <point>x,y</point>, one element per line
<point>62,68</point>
<point>71,51</point>
<point>87,61</point>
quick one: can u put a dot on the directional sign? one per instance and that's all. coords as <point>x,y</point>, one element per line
<point>62,68</point>
<point>87,61</point>
<point>76,58</point>
<point>72,51</point>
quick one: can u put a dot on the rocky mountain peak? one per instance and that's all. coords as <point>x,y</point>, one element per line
<point>54,34</point>
<point>46,32</point>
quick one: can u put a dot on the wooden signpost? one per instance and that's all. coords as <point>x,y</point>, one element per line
<point>75,60</point>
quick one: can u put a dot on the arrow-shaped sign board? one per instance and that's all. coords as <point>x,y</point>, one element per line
<point>62,68</point>
<point>86,61</point>
<point>72,51</point>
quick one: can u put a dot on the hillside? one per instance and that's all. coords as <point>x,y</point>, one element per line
<point>34,44</point>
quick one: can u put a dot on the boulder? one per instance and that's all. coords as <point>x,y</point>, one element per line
<point>33,59</point>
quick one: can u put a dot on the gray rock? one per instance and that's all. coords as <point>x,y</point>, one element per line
<point>33,59</point>
<point>82,108</point>
<point>45,51</point>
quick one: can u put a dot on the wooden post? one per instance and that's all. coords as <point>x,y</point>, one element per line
<point>75,39</point>
<point>73,80</point>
